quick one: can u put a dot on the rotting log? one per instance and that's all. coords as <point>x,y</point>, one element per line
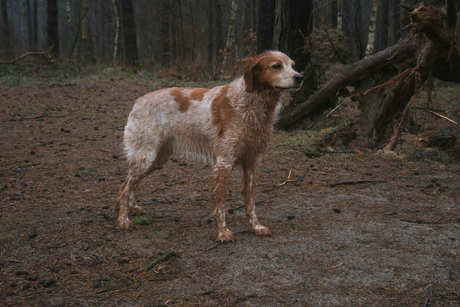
<point>364,68</point>
<point>45,55</point>
<point>432,50</point>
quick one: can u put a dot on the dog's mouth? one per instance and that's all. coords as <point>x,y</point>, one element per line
<point>292,88</point>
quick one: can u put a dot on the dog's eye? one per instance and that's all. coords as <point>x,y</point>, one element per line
<point>277,66</point>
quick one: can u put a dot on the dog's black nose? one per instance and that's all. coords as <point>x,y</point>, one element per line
<point>298,78</point>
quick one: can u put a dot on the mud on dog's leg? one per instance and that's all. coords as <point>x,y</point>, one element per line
<point>219,191</point>
<point>249,194</point>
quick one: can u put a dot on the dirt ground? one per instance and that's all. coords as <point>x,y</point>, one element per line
<point>390,238</point>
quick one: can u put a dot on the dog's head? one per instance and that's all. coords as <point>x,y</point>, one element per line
<point>271,70</point>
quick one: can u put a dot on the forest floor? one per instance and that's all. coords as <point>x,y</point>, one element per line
<point>389,236</point>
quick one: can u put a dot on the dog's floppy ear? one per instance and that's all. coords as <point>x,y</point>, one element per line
<point>249,73</point>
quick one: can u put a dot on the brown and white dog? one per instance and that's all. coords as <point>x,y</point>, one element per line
<point>227,126</point>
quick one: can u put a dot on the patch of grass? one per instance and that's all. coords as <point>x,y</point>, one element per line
<point>448,91</point>
<point>307,141</point>
<point>142,220</point>
<point>11,81</point>
<point>118,70</point>
<point>437,156</point>
<point>30,71</point>
<point>285,140</point>
<point>302,140</point>
<point>85,170</point>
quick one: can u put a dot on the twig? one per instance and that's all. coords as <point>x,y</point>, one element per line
<point>338,106</point>
<point>45,115</point>
<point>322,173</point>
<point>35,293</point>
<point>287,180</point>
<point>421,221</point>
<point>159,260</point>
<point>211,248</point>
<point>354,182</point>
<point>445,117</point>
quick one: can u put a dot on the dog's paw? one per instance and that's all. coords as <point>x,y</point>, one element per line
<point>261,230</point>
<point>125,223</point>
<point>136,210</point>
<point>225,236</point>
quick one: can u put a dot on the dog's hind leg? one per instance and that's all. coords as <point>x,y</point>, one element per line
<point>140,166</point>
<point>249,193</point>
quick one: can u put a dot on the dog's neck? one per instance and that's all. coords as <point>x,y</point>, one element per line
<point>248,106</point>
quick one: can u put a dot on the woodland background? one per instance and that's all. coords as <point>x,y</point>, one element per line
<point>190,33</point>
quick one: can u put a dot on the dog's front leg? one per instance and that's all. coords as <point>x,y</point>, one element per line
<point>249,194</point>
<point>222,173</point>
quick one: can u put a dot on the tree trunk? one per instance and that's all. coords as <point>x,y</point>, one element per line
<point>265,24</point>
<point>178,31</point>
<point>53,26</point>
<point>28,18</point>
<point>116,40</point>
<point>35,24</point>
<point>165,35</point>
<point>211,33</point>
<point>74,36</point>
<point>292,25</point>
<point>388,25</point>
<point>129,33</point>
<point>371,34</point>
<point>193,27</point>
<point>230,46</point>
<point>85,42</point>
<point>6,29</point>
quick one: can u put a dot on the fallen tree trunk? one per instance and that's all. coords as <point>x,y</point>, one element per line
<point>45,55</point>
<point>431,50</point>
<point>364,68</point>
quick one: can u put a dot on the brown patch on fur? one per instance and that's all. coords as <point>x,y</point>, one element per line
<point>222,112</point>
<point>198,93</point>
<point>182,101</point>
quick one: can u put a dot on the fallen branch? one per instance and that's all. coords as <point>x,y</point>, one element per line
<point>42,53</point>
<point>421,221</point>
<point>35,293</point>
<point>287,180</point>
<point>354,182</point>
<point>157,261</point>
<point>393,141</point>
<point>445,117</point>
<point>211,248</point>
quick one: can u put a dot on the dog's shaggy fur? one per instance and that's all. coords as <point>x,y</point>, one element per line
<point>227,126</point>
